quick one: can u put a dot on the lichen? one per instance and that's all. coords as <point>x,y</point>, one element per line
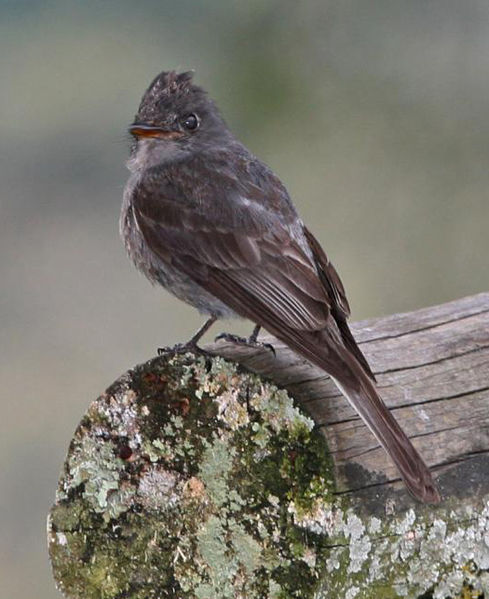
<point>183,480</point>
<point>417,555</point>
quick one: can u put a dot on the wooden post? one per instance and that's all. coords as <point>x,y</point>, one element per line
<point>192,477</point>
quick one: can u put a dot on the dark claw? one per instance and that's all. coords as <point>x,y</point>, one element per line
<point>191,345</point>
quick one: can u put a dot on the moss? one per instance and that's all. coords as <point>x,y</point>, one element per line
<point>182,481</point>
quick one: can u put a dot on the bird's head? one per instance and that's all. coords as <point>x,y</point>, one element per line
<point>177,116</point>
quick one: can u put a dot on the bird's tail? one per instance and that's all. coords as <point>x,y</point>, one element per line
<point>356,385</point>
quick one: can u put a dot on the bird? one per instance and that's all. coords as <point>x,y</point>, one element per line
<point>211,223</point>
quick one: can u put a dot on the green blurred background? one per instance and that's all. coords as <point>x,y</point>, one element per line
<point>375,115</point>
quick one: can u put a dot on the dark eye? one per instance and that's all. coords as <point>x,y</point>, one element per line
<point>190,122</point>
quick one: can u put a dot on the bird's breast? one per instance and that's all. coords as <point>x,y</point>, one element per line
<point>157,270</point>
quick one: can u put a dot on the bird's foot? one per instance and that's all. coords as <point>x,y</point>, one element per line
<point>180,348</point>
<point>191,345</point>
<point>250,342</point>
<point>232,338</point>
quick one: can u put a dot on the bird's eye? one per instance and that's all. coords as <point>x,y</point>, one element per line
<point>190,122</point>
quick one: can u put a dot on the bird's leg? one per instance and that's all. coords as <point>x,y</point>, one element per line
<point>254,335</point>
<point>251,341</point>
<point>191,344</point>
<point>202,331</point>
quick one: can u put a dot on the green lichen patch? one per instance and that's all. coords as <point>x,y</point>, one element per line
<point>189,478</point>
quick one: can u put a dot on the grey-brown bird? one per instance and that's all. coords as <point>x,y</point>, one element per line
<point>216,227</point>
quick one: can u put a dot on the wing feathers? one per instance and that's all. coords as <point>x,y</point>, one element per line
<point>280,276</point>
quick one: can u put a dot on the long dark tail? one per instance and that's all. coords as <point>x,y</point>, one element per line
<point>326,352</point>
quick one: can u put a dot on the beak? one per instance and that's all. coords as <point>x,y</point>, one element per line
<point>142,130</point>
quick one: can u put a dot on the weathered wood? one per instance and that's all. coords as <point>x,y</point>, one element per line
<point>432,368</point>
<point>192,478</point>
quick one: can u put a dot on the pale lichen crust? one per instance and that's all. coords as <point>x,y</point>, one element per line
<point>188,478</point>
<point>420,554</point>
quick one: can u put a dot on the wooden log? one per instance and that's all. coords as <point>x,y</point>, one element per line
<point>191,477</point>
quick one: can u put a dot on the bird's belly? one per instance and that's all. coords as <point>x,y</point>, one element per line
<point>158,271</point>
<point>192,293</point>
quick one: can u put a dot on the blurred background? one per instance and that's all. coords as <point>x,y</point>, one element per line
<point>375,115</point>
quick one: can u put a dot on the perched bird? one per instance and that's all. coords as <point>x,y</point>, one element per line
<point>207,220</point>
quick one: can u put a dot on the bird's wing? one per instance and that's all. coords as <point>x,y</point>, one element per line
<point>340,309</point>
<point>236,247</point>
<point>329,277</point>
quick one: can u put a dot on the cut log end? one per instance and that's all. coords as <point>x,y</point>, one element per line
<point>183,480</point>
